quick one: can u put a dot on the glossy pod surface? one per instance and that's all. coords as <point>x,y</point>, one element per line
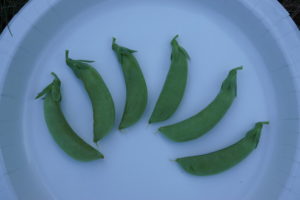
<point>136,88</point>
<point>224,159</point>
<point>174,86</point>
<point>59,128</point>
<point>101,99</point>
<point>206,119</point>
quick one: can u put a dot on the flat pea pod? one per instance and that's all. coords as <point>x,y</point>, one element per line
<point>174,86</point>
<point>100,97</point>
<point>59,128</point>
<point>219,161</point>
<point>206,119</point>
<point>136,88</point>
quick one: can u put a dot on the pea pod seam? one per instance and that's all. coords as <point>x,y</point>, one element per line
<point>174,86</point>
<point>199,124</point>
<point>221,160</point>
<point>59,128</point>
<point>136,88</point>
<point>98,92</point>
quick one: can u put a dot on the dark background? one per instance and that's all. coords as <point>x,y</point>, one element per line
<point>8,8</point>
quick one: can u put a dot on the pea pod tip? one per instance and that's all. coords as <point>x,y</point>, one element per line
<point>151,121</point>
<point>67,53</point>
<point>37,96</point>
<point>264,122</point>
<point>95,140</point>
<point>47,89</point>
<point>237,68</point>
<point>101,156</point>
<point>55,75</point>
<point>174,40</point>
<point>175,37</point>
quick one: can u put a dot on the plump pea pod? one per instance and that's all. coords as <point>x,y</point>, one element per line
<point>136,89</point>
<point>102,102</point>
<point>59,128</point>
<point>223,159</point>
<point>174,86</point>
<point>206,119</point>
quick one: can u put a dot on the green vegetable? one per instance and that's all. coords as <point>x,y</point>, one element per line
<point>59,128</point>
<point>224,159</point>
<point>136,89</point>
<point>102,102</point>
<point>206,119</point>
<point>174,86</point>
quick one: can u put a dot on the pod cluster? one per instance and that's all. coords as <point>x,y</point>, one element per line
<point>167,103</point>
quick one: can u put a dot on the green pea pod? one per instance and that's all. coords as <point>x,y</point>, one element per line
<point>101,99</point>
<point>206,119</point>
<point>219,161</point>
<point>174,86</point>
<point>59,128</point>
<point>136,88</point>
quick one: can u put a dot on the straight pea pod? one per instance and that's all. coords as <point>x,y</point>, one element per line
<point>100,97</point>
<point>59,128</point>
<point>219,161</point>
<point>136,88</point>
<point>174,86</point>
<point>206,119</point>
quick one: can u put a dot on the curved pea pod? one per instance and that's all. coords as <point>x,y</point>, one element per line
<point>174,86</point>
<point>206,119</point>
<point>59,128</point>
<point>100,97</point>
<point>219,161</point>
<point>136,88</point>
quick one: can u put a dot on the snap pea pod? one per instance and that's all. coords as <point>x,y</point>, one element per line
<point>219,161</point>
<point>174,86</point>
<point>101,99</point>
<point>59,128</point>
<point>136,89</point>
<point>206,119</point>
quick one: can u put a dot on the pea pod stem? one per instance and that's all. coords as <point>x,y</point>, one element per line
<point>221,160</point>
<point>174,86</point>
<point>100,97</point>
<point>199,124</point>
<point>136,88</point>
<point>59,128</point>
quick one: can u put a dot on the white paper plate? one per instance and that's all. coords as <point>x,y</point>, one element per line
<point>218,35</point>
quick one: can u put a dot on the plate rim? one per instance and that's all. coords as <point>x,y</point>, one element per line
<point>273,16</point>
